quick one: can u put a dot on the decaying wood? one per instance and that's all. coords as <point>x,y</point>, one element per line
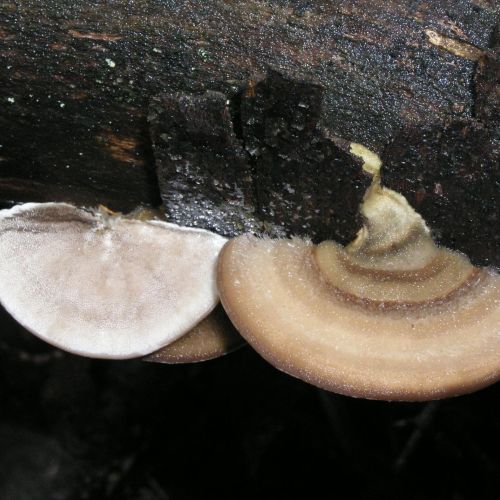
<point>79,79</point>
<point>451,175</point>
<point>270,168</point>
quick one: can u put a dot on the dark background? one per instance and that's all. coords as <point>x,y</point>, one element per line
<point>234,427</point>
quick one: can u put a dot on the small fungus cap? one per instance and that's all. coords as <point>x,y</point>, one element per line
<point>101,285</point>
<point>212,338</point>
<point>391,316</point>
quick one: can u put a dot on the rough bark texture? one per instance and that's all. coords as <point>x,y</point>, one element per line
<point>450,171</point>
<point>451,176</point>
<point>203,174</point>
<point>270,168</point>
<point>487,85</point>
<point>77,79</point>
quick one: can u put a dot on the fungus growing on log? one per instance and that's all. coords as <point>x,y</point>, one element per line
<point>213,337</point>
<point>391,316</point>
<point>104,285</point>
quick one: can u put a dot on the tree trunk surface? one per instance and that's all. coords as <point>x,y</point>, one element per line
<point>238,115</point>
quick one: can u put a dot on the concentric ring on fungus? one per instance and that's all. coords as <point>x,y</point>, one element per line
<point>391,316</point>
<point>104,285</point>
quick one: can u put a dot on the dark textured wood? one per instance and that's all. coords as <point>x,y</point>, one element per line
<point>451,176</point>
<point>304,182</point>
<point>104,61</point>
<point>269,168</point>
<point>487,84</point>
<point>204,177</point>
<point>77,79</point>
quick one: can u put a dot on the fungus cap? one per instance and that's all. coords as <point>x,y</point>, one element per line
<point>391,316</point>
<point>104,286</point>
<point>213,337</point>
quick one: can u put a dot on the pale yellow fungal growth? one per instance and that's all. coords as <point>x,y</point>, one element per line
<point>456,47</point>
<point>371,161</point>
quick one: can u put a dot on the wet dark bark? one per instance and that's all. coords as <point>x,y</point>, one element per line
<point>78,80</point>
<point>451,176</point>
<point>450,171</point>
<point>269,168</point>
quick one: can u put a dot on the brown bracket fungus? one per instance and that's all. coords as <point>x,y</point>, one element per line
<point>213,337</point>
<point>391,316</point>
<point>101,285</point>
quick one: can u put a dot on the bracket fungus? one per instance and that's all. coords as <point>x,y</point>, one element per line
<point>104,285</point>
<point>213,337</point>
<point>391,316</point>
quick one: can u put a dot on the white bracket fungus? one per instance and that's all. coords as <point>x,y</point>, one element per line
<point>104,285</point>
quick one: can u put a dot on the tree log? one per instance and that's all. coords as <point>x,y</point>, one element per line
<point>79,79</point>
